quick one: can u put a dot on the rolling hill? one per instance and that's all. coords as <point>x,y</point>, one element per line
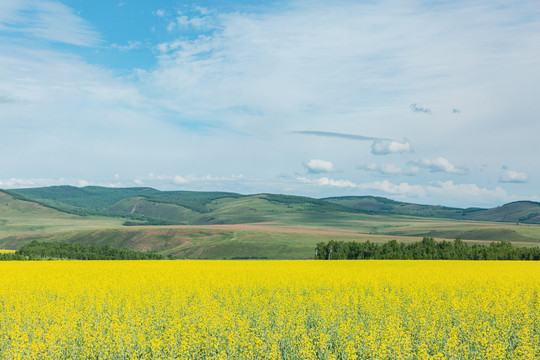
<point>150,206</point>
<point>20,217</point>
<point>526,212</point>
<point>219,225</point>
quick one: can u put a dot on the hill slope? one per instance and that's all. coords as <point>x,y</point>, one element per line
<point>527,212</point>
<point>26,217</point>
<point>176,207</point>
<point>152,206</point>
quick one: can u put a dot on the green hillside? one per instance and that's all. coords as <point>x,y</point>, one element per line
<point>380,205</point>
<point>527,212</point>
<point>90,199</point>
<point>152,206</point>
<point>286,226</point>
<point>18,217</point>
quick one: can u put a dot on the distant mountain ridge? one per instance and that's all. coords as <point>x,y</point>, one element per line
<point>144,205</point>
<point>527,212</point>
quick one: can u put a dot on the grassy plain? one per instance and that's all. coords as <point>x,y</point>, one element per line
<point>270,310</point>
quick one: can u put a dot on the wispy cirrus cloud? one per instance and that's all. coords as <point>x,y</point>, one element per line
<point>47,20</point>
<point>338,135</point>
<point>129,46</point>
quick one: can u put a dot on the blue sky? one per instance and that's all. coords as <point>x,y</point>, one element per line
<point>427,102</point>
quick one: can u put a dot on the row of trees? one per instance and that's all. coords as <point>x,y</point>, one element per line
<point>58,250</point>
<point>427,249</point>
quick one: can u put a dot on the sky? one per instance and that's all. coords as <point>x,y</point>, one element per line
<point>430,102</point>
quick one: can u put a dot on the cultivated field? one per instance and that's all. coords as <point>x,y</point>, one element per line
<point>269,310</point>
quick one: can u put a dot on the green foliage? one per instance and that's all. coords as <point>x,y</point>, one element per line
<point>427,249</point>
<point>59,250</point>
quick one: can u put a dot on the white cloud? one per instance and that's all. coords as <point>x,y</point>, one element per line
<point>202,180</point>
<point>17,183</point>
<point>130,46</point>
<point>385,147</point>
<point>324,181</point>
<point>14,183</point>
<point>512,176</point>
<point>184,22</point>
<point>441,164</point>
<point>317,166</point>
<point>228,90</point>
<point>48,20</point>
<point>180,180</point>
<point>389,169</point>
<point>402,189</point>
<point>83,183</point>
<point>443,190</point>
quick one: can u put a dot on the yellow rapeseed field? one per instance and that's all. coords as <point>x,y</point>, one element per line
<point>269,310</point>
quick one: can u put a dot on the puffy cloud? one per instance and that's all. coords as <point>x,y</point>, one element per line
<point>180,180</point>
<point>449,190</point>
<point>445,190</point>
<point>18,183</point>
<point>337,183</point>
<point>441,164</point>
<point>317,166</point>
<point>512,176</point>
<point>385,147</point>
<point>402,189</point>
<point>389,169</point>
<point>83,183</point>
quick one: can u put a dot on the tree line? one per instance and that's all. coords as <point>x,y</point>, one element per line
<point>427,249</point>
<point>59,250</point>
